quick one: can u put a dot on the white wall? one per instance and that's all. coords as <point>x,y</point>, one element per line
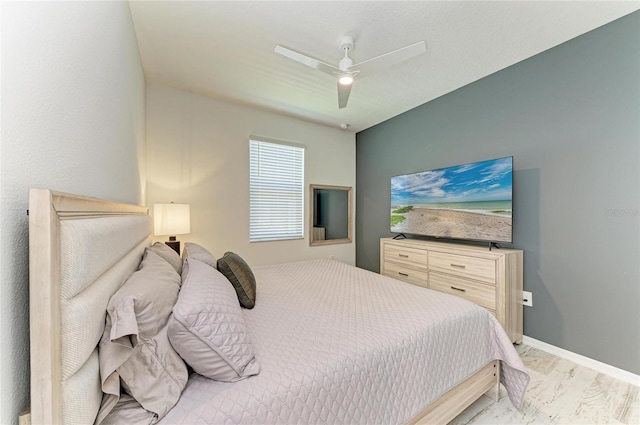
<point>198,153</point>
<point>73,119</point>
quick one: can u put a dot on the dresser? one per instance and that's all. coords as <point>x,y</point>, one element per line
<point>489,278</point>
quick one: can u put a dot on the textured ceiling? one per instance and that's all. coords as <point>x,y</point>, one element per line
<point>225,49</point>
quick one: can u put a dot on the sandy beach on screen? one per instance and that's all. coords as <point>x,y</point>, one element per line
<point>456,224</point>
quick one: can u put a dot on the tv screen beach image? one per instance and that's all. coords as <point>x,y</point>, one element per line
<point>471,201</point>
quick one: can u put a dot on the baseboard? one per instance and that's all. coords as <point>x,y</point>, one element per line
<point>613,371</point>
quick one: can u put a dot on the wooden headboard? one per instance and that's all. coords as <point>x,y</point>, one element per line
<point>81,250</point>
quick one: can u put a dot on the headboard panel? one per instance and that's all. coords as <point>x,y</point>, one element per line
<point>82,325</point>
<point>80,251</point>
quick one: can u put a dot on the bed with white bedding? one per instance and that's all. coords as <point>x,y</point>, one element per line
<point>335,344</point>
<point>338,344</point>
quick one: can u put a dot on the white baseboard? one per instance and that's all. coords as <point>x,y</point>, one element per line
<point>613,371</point>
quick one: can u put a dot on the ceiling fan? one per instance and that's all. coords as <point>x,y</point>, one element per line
<point>347,71</point>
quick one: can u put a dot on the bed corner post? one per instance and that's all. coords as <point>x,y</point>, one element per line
<point>494,392</point>
<point>44,300</point>
<point>25,417</point>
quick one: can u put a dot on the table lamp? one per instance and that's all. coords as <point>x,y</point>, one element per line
<point>172,219</point>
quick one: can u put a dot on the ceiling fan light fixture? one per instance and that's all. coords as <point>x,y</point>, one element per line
<point>345,80</point>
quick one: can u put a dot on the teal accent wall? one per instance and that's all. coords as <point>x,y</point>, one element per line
<point>570,116</point>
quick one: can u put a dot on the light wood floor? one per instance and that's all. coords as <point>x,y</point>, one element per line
<point>560,392</point>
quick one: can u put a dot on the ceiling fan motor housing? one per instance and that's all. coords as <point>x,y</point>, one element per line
<point>345,63</point>
<point>346,44</point>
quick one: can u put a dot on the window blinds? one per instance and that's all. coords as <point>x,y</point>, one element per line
<point>276,191</point>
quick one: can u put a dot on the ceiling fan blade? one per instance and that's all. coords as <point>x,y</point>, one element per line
<point>388,60</point>
<point>307,60</point>
<point>343,94</point>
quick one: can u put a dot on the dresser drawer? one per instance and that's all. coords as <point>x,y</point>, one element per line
<point>483,269</point>
<point>406,274</point>
<point>416,257</point>
<point>476,292</point>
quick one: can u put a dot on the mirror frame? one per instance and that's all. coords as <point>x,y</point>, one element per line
<point>349,191</point>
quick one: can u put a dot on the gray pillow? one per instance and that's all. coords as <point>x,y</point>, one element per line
<point>234,268</point>
<point>207,327</point>
<point>166,252</point>
<point>135,351</point>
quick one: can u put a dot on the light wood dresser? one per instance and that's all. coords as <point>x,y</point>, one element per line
<point>491,279</point>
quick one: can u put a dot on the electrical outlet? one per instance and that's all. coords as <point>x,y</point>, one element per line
<point>527,298</point>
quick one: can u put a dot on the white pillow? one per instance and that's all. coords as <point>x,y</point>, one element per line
<point>129,411</point>
<point>196,252</point>
<point>135,352</point>
<point>207,327</point>
<point>166,252</point>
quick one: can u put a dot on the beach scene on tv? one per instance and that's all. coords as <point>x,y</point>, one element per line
<point>470,201</point>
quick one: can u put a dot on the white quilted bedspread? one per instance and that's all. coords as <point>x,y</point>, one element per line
<point>342,345</point>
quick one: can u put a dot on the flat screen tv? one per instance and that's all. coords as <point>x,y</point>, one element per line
<point>469,201</point>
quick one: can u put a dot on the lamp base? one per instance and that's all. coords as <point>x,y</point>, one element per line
<point>173,244</point>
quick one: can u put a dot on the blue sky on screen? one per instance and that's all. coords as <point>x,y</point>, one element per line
<point>481,181</point>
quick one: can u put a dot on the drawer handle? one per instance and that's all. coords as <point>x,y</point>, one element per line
<point>459,289</point>
<point>403,274</point>
<point>458,266</point>
<point>403,255</point>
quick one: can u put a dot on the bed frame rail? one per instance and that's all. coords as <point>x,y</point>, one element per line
<point>452,403</point>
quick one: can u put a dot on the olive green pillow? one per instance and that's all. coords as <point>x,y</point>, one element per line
<point>234,268</point>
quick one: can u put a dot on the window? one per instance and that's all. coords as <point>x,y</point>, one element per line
<point>276,191</point>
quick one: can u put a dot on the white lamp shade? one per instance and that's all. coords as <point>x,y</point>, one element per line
<point>171,219</point>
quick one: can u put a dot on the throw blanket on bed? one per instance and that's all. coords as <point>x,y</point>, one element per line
<point>338,344</point>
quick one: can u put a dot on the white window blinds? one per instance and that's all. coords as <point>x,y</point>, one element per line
<point>276,191</point>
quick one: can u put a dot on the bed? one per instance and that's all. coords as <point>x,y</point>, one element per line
<point>335,344</point>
